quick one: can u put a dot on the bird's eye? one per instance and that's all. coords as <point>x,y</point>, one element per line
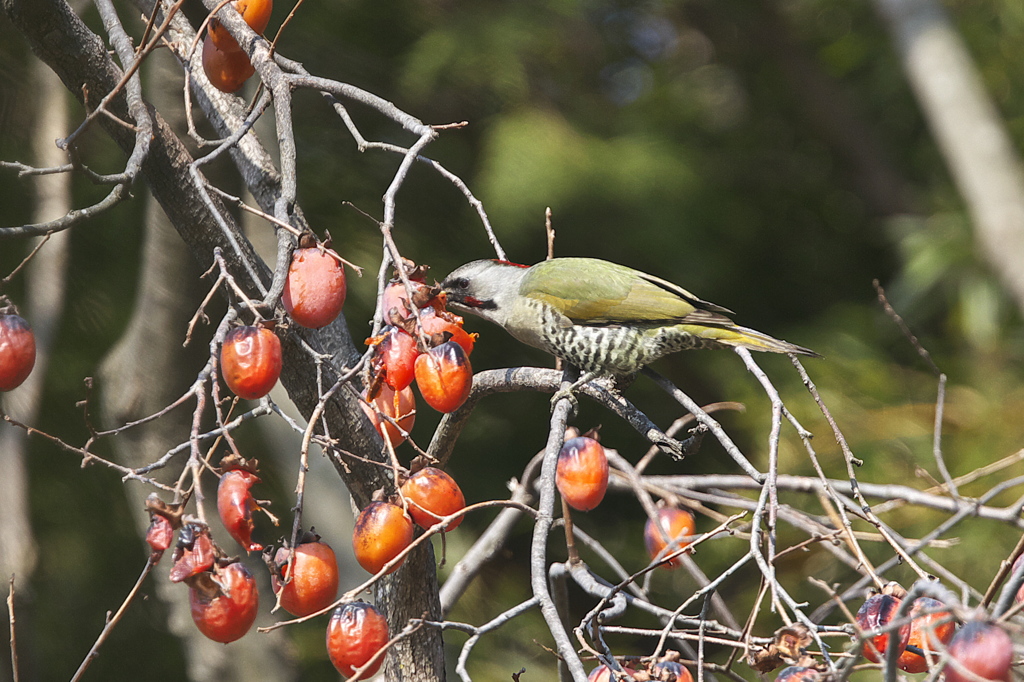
<point>462,283</point>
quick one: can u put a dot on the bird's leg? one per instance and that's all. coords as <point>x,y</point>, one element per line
<point>569,392</point>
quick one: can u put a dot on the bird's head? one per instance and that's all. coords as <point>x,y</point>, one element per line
<point>487,288</point>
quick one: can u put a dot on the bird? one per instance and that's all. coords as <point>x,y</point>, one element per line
<point>608,320</point>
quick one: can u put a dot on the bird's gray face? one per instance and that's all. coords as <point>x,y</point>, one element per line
<point>484,287</point>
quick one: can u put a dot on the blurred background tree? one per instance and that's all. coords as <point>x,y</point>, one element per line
<point>774,157</point>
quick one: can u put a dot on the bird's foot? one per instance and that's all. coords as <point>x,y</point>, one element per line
<point>567,394</point>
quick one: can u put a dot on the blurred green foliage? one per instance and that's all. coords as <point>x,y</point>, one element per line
<point>675,137</point>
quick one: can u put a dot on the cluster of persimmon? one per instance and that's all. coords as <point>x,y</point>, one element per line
<point>980,650</point>
<point>384,529</point>
<point>314,294</point>
<point>665,669</point>
<point>226,65</point>
<point>17,347</point>
<point>582,479</point>
<point>223,595</point>
<point>421,342</point>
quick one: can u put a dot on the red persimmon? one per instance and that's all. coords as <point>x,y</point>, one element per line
<point>444,376</point>
<point>394,356</point>
<point>395,299</point>
<point>314,578</point>
<point>582,473</point>
<point>674,524</point>
<point>872,617</point>
<point>17,351</point>
<point>930,632</point>
<point>256,13</point>
<point>227,71</point>
<point>224,607</point>
<point>433,494</point>
<point>400,406</point>
<point>159,535</point>
<point>670,670</point>
<point>314,290</point>
<point>250,361</point>
<point>382,531</point>
<point>355,634</point>
<point>798,673</point>
<point>235,505</point>
<point>979,651</point>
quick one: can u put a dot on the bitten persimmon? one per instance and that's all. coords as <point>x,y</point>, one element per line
<point>444,376</point>
<point>433,494</point>
<point>314,290</point>
<point>382,531</point>
<point>17,351</point>
<point>979,651</point>
<point>235,504</point>
<point>676,523</point>
<point>355,634</point>
<point>194,553</point>
<point>434,321</point>
<point>256,13</point>
<point>670,670</point>
<point>603,674</point>
<point>400,406</point>
<point>582,473</point>
<point>250,361</point>
<point>227,71</point>
<point>929,633</point>
<point>224,606</point>
<point>873,617</point>
<point>314,578</point>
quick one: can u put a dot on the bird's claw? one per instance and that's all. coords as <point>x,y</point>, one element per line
<point>567,394</point>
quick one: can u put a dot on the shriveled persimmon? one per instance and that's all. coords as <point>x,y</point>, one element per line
<point>444,376</point>
<point>314,290</point>
<point>250,361</point>
<point>873,618</point>
<point>382,531</point>
<point>674,524</point>
<point>235,504</point>
<point>355,634</point>
<point>582,473</point>
<point>441,322</point>
<point>433,494</point>
<point>224,605</point>
<point>394,357</point>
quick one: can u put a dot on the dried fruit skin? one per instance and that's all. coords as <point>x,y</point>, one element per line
<point>929,632</point>
<point>582,473</point>
<point>983,649</point>
<point>227,71</point>
<point>159,535</point>
<point>875,613</point>
<point>433,322</point>
<point>235,505</point>
<point>433,494</point>
<point>675,523</point>
<point>256,13</point>
<point>193,554</point>
<point>314,291</point>
<point>250,361</point>
<point>17,351</point>
<point>395,355</point>
<point>314,580</point>
<point>444,377</point>
<point>229,615</point>
<point>355,633</point>
<point>382,531</point>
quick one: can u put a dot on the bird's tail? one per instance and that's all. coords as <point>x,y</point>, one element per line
<point>745,337</point>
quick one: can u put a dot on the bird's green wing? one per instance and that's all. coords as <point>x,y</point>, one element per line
<point>593,292</point>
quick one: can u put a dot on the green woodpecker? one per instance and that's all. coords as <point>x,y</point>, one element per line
<point>605,319</point>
